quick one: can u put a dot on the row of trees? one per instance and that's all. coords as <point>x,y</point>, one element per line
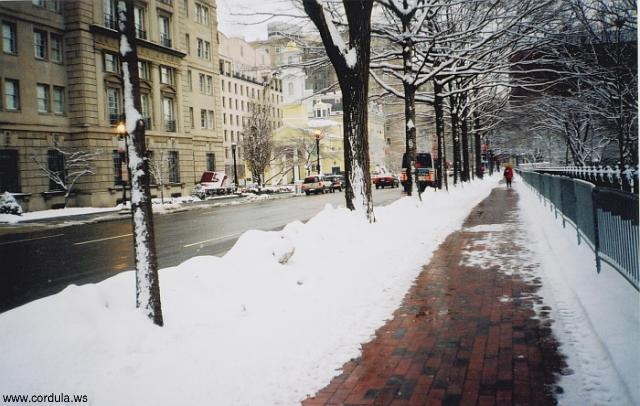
<point>566,69</point>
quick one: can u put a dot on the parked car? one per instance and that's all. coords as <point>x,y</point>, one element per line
<point>316,184</point>
<point>337,182</point>
<point>385,179</point>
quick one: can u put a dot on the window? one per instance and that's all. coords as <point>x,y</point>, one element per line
<point>242,105</point>
<point>203,118</point>
<point>9,38</point>
<point>11,94</point>
<point>191,119</point>
<point>232,137</point>
<point>211,161</point>
<point>189,81</point>
<point>141,26</point>
<point>237,119</point>
<point>118,159</point>
<point>202,83</point>
<point>187,43</point>
<point>224,118</point>
<point>55,163</point>
<point>164,28</point>
<point>225,135</point>
<point>224,104</point>
<point>110,13</point>
<point>111,63</point>
<point>42,95</point>
<point>236,104</point>
<point>222,82</point>
<point>144,70</point>
<point>202,14</point>
<point>210,120</point>
<point>226,152</point>
<point>145,109</point>
<point>209,86</point>
<point>167,111</point>
<point>235,89</point>
<point>166,75</point>
<point>56,48</point>
<point>40,44</point>
<point>58,100</point>
<point>174,169</point>
<point>207,50</point>
<point>206,119</point>
<point>186,7</point>
<point>9,175</point>
<point>113,104</point>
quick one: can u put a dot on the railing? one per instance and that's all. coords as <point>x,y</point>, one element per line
<point>110,22</point>
<point>140,33</point>
<point>165,41</point>
<point>625,179</point>
<point>170,125</point>
<point>606,219</point>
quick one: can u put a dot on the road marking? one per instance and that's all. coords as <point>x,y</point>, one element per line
<point>103,239</point>
<point>212,239</point>
<point>30,239</point>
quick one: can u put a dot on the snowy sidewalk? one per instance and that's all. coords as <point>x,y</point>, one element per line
<point>467,331</point>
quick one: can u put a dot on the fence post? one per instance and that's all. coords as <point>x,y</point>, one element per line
<point>596,242</point>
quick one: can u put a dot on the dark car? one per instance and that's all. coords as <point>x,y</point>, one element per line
<point>337,182</point>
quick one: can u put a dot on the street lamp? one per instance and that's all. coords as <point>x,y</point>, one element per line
<point>124,172</point>
<point>318,136</point>
<point>235,170</point>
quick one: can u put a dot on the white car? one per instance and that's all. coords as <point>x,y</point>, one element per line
<point>316,184</point>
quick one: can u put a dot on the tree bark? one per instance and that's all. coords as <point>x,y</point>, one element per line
<point>147,282</point>
<point>478,145</point>
<point>354,84</point>
<point>464,129</point>
<point>439,113</point>
<point>410,135</point>
<point>455,137</point>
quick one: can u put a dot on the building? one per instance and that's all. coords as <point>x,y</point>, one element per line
<point>71,97</point>
<point>247,77</point>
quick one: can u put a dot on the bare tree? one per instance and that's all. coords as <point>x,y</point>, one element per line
<point>72,165</point>
<point>257,141</point>
<point>160,168</point>
<point>147,282</point>
<point>351,63</point>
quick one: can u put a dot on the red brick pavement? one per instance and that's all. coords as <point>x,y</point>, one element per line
<point>464,335</point>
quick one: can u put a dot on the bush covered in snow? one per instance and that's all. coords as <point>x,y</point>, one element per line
<point>9,205</point>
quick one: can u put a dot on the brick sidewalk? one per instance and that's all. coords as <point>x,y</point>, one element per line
<point>465,333</point>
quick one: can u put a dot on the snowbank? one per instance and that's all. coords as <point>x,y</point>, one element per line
<point>597,315</point>
<point>269,323</point>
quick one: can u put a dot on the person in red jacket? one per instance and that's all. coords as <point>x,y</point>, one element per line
<point>508,175</point>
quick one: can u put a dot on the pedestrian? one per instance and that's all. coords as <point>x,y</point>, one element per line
<point>508,175</point>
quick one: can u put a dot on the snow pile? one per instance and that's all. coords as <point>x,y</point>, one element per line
<point>9,205</point>
<point>597,315</point>
<point>269,323</point>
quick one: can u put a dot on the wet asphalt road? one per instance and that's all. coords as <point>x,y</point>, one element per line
<point>40,263</point>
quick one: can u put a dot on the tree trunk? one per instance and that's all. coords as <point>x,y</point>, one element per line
<point>410,135</point>
<point>456,140</point>
<point>353,77</point>
<point>147,283</point>
<point>465,149</point>
<point>478,145</point>
<point>439,113</point>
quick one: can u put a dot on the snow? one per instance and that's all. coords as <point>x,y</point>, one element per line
<point>269,323</point>
<point>350,55</point>
<point>47,214</point>
<point>597,315</point>
<point>410,125</point>
<point>275,318</point>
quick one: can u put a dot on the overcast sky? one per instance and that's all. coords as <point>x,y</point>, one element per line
<point>242,18</point>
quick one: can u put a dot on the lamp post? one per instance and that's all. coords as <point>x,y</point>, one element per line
<point>235,170</point>
<point>124,171</point>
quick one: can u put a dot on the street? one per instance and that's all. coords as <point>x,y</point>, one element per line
<point>42,263</point>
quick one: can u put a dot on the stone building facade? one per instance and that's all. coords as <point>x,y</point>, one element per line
<point>62,88</point>
<point>247,77</point>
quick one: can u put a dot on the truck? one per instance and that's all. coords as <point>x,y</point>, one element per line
<point>424,171</point>
<point>213,184</point>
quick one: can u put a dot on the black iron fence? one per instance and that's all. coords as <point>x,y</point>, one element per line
<point>616,177</point>
<point>606,219</point>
